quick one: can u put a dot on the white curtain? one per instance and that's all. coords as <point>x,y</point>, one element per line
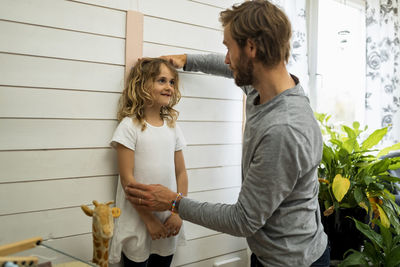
<point>298,62</point>
<point>382,99</point>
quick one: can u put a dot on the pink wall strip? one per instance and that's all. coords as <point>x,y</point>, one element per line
<point>134,39</point>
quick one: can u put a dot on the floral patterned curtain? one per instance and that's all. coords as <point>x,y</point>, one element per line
<point>382,99</point>
<point>298,62</point>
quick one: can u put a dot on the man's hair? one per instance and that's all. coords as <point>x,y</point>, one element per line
<point>265,24</point>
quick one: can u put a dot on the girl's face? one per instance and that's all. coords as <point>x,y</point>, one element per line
<point>163,87</point>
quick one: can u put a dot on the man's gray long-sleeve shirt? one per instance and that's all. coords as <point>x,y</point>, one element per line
<point>277,208</point>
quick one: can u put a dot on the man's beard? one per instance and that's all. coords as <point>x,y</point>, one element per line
<point>244,71</point>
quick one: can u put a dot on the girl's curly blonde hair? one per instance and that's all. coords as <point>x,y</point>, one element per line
<point>137,92</point>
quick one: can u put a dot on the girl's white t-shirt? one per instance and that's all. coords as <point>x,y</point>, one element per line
<point>154,164</point>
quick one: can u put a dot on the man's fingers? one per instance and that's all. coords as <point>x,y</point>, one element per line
<point>137,193</point>
<point>138,186</point>
<point>178,61</point>
<point>138,201</point>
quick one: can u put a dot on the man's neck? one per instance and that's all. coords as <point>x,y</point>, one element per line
<point>270,82</point>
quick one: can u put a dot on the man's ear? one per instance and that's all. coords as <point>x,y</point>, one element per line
<point>251,48</point>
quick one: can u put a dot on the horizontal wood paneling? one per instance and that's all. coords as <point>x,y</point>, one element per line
<point>214,178</point>
<point>212,156</point>
<point>194,231</point>
<point>21,102</point>
<point>220,3</point>
<point>242,254</point>
<point>224,195</point>
<point>175,34</point>
<point>190,12</point>
<point>48,224</point>
<point>47,134</point>
<point>208,247</point>
<point>193,109</point>
<point>54,194</point>
<point>66,15</point>
<point>115,4</point>
<point>156,50</point>
<point>18,134</point>
<point>31,165</point>
<point>41,103</point>
<point>54,73</point>
<point>50,42</point>
<point>182,11</point>
<point>198,85</point>
<point>212,132</point>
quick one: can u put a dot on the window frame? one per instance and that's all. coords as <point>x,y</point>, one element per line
<point>312,49</point>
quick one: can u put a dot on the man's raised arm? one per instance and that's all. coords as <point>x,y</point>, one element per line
<point>206,63</point>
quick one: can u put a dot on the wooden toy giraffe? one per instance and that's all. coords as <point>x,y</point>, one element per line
<point>102,229</point>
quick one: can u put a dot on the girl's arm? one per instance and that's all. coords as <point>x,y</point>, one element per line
<point>181,174</point>
<point>174,222</point>
<point>126,164</point>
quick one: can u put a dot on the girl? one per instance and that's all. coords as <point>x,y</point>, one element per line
<point>149,147</point>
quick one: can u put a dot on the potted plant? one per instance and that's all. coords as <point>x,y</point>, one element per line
<point>382,248</point>
<point>354,182</point>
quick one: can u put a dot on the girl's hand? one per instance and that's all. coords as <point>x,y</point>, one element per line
<point>173,224</point>
<point>156,229</point>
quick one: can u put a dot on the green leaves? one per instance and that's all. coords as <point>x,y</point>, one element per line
<point>358,195</point>
<point>393,258</point>
<point>374,139</point>
<point>352,173</point>
<point>382,250</point>
<point>375,237</point>
<point>356,258</point>
<point>393,217</point>
<point>386,150</point>
<point>379,167</point>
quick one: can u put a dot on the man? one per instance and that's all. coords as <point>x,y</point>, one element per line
<point>277,208</point>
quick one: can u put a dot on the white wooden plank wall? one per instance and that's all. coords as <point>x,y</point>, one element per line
<point>61,73</point>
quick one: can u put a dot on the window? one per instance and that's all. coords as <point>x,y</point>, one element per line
<point>337,74</point>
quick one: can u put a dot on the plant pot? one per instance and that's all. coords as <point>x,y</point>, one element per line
<point>342,232</point>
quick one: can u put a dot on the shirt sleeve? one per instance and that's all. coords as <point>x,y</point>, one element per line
<point>268,181</point>
<point>125,134</point>
<point>209,63</point>
<point>180,139</point>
